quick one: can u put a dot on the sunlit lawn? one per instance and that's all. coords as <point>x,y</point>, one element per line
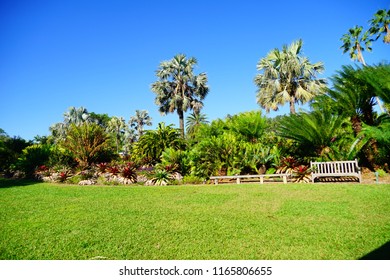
<point>247,221</point>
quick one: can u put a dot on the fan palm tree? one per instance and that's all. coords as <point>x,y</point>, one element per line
<point>116,126</point>
<point>76,116</point>
<point>178,88</point>
<point>356,42</point>
<point>287,77</point>
<point>380,24</point>
<point>194,120</point>
<point>140,119</point>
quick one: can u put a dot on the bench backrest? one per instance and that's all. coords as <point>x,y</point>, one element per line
<point>335,167</point>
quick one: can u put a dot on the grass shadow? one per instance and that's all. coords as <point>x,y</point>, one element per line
<point>11,183</point>
<point>381,253</point>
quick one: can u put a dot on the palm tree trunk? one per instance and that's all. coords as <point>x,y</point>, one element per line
<point>370,150</point>
<point>292,105</point>
<point>356,124</point>
<point>181,122</point>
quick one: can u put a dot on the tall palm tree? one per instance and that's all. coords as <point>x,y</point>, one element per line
<point>287,77</point>
<point>380,24</point>
<point>178,88</point>
<point>356,42</point>
<point>139,120</point>
<point>116,126</point>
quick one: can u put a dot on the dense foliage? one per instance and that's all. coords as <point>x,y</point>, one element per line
<point>343,123</point>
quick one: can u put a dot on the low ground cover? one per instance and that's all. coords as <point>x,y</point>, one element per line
<point>248,221</point>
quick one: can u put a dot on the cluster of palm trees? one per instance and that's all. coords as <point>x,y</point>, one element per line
<point>341,124</point>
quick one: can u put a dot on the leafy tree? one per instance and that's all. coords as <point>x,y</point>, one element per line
<point>10,150</point>
<point>100,119</point>
<point>287,77</point>
<point>86,142</point>
<point>380,25</point>
<point>32,157</point>
<point>139,120</point>
<point>178,88</point>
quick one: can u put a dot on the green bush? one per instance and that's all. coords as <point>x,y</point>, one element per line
<point>32,157</point>
<point>192,180</point>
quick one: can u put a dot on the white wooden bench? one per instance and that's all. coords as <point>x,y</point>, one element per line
<point>239,178</point>
<point>348,168</point>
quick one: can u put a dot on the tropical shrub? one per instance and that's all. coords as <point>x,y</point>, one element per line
<point>32,157</point>
<point>152,144</point>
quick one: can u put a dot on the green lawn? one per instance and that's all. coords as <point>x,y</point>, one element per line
<point>248,221</point>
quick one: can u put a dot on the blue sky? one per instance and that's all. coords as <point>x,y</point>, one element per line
<point>103,55</point>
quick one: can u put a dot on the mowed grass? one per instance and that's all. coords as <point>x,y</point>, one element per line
<point>248,221</point>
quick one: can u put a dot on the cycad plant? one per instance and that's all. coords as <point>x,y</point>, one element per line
<point>86,142</point>
<point>250,126</point>
<point>152,144</point>
<point>315,132</point>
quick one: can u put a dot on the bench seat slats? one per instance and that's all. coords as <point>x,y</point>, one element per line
<point>348,168</point>
<point>260,176</point>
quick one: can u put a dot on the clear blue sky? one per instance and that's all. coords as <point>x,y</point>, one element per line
<point>103,55</point>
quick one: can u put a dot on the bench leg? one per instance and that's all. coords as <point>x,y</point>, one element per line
<point>216,181</point>
<point>285,179</point>
<point>238,181</point>
<point>261,180</point>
